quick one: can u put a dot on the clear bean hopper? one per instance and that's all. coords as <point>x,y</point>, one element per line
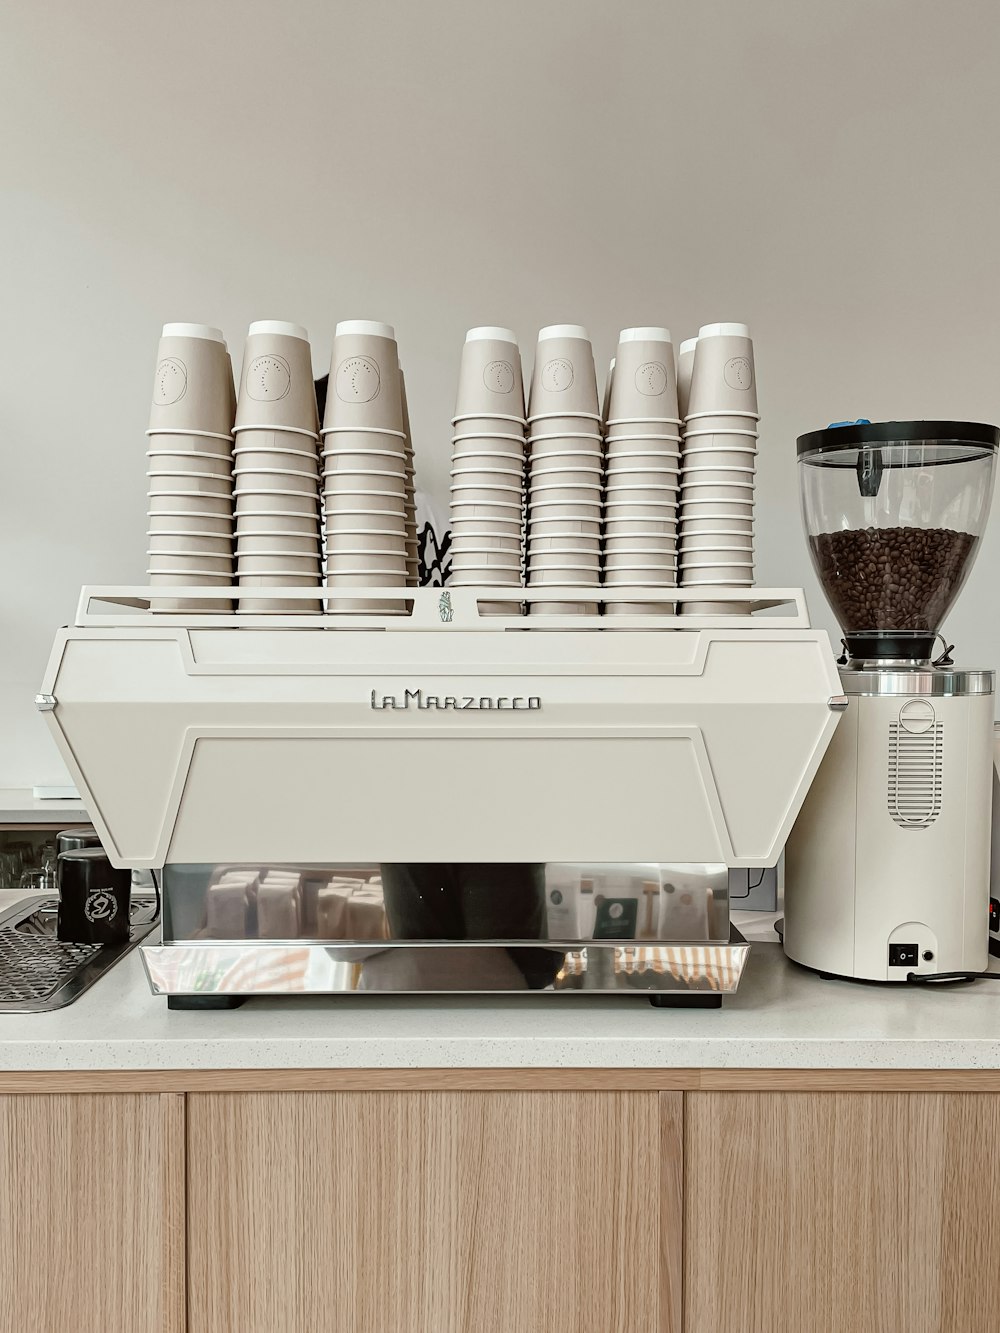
<point>894,512</point>
<point>445,799</point>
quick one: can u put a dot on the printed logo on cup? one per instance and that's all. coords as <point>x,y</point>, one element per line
<point>738,373</point>
<point>651,378</point>
<point>555,897</point>
<point>557,375</point>
<point>499,377</point>
<point>268,378</point>
<point>170,384</point>
<point>358,380</point>
<point>100,906</point>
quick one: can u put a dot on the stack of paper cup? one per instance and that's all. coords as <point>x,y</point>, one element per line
<point>717,478</point>
<point>277,468</point>
<point>643,467</point>
<point>190,533</point>
<point>410,515</point>
<point>487,470</point>
<point>365,467</point>
<point>566,473</point>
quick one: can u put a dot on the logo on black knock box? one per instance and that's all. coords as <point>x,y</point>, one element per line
<point>100,906</point>
<point>458,702</point>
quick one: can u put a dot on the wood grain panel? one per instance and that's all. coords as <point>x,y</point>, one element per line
<point>873,1212</point>
<point>495,1080</point>
<point>83,1194</point>
<point>415,1212</point>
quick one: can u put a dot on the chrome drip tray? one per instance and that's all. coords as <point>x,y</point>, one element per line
<point>39,971</point>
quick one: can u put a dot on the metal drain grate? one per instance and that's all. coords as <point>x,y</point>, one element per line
<point>39,971</point>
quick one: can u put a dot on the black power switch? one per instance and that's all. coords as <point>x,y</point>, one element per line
<point>902,955</point>
<point>995,915</point>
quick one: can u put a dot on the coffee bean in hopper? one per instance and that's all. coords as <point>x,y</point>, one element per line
<point>891,578</point>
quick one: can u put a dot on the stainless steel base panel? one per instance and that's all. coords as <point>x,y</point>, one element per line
<point>662,971</point>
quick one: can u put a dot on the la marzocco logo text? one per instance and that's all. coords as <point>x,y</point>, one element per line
<point>417,699</point>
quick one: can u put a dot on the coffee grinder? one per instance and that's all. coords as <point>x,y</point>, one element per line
<point>887,868</point>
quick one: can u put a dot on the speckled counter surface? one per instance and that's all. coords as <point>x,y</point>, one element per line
<point>782,1018</point>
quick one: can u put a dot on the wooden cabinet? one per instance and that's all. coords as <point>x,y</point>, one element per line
<point>435,1212</point>
<point>528,1202</point>
<point>869,1212</point>
<point>91,1219</point>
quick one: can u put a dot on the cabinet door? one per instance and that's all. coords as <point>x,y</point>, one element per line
<point>91,1213</point>
<point>830,1211</point>
<point>427,1212</point>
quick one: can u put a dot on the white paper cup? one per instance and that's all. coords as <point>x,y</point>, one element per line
<point>643,476</point>
<point>189,543</point>
<point>363,388</point>
<point>563,378</point>
<point>257,501</point>
<point>564,544</point>
<point>188,570</point>
<point>566,432</point>
<point>204,465</point>
<point>563,609</point>
<point>702,519</point>
<point>726,458</point>
<point>485,542</point>
<point>567,578</point>
<point>277,388</point>
<point>206,525</point>
<point>725,542</point>
<point>722,423</point>
<point>464,495</point>
<point>697,470</point>
<point>722,377</point>
<point>558,528</point>
<point>476,427</point>
<point>542,509</point>
<point>392,483</point>
<point>191,504</point>
<point>577,561</point>
<point>487,451</point>
<point>640,546</point>
<point>663,432</point>
<point>645,383</point>
<point>583,493</point>
<point>268,543</point>
<point>342,522</point>
<point>304,479</point>
<point>367,562</point>
<point>192,383</point>
<point>725,527</point>
<point>365,543</point>
<point>685,365</point>
<point>499,524</point>
<point>741,492</point>
<point>638,578</point>
<point>188,483</point>
<point>489,559</point>
<point>641,527</point>
<point>486,576</point>
<point>489,377</point>
<point>720,576</point>
<point>301,566</point>
<point>483,476</point>
<point>547,471</point>
<point>638,491</point>
<point>276,460</point>
<point>189,442</point>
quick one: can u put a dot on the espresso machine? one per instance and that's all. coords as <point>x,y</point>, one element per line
<point>887,870</point>
<point>444,799</point>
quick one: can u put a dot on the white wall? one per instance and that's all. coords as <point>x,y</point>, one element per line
<point>828,173</point>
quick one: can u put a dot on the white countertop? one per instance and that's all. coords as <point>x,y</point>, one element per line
<point>781,1017</point>
<point>19,806</point>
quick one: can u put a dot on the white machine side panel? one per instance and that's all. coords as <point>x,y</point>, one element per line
<point>934,881</point>
<point>491,799</point>
<point>820,859</point>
